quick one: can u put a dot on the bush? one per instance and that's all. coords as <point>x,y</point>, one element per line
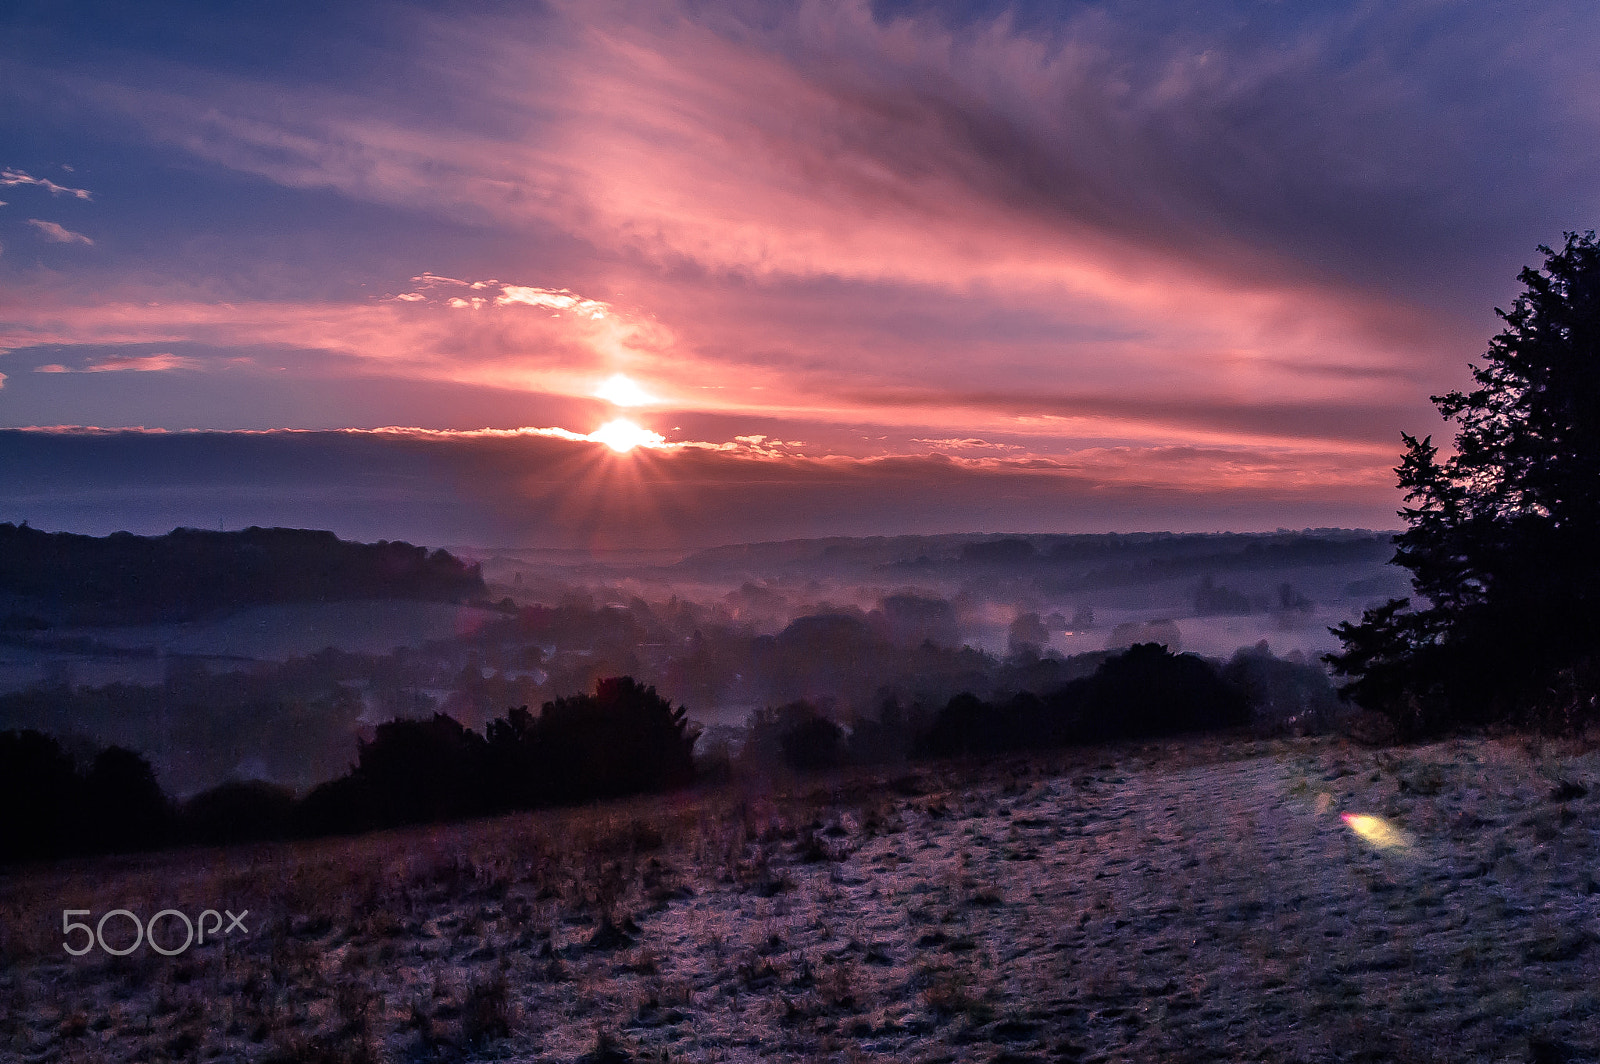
<point>127,809</point>
<point>339,807</point>
<point>238,811</point>
<point>41,797</point>
<point>887,738</point>
<point>1025,721</point>
<point>773,732</point>
<point>422,770</point>
<point>623,739</point>
<point>49,809</point>
<point>1150,691</point>
<point>813,744</point>
<point>965,725</point>
<point>1142,692</point>
<point>1284,696</point>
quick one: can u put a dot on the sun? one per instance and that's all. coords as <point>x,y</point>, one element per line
<point>622,436</point>
<point>621,390</point>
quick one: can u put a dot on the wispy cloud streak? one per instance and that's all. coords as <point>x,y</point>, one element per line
<point>157,363</point>
<point>13,178</point>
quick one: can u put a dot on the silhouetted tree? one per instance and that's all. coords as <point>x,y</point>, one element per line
<point>238,811</point>
<point>341,806</point>
<point>1290,599</point>
<point>419,770</point>
<point>623,739</point>
<point>1027,635</point>
<point>965,725</point>
<point>1151,691</point>
<point>889,736</point>
<point>911,620</point>
<point>999,552</point>
<point>514,760</point>
<point>817,653</point>
<point>49,809</point>
<point>1285,695</point>
<point>768,727</point>
<point>1144,691</point>
<point>40,797</point>
<point>1210,599</point>
<point>125,807</point>
<point>813,744</point>
<point>1502,534</point>
<point>128,579</point>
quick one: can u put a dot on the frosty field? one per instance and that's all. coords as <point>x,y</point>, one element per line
<point>1193,901</point>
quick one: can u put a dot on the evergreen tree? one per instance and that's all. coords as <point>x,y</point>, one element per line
<point>1502,533</point>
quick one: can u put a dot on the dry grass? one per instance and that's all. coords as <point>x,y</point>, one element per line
<point>1181,902</point>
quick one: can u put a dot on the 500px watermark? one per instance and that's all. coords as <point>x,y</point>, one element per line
<point>195,932</point>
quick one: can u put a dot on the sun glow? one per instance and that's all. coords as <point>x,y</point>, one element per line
<point>621,390</point>
<point>622,436</point>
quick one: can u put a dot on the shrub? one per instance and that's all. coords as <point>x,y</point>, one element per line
<point>1151,691</point>
<point>238,811</point>
<point>128,810</point>
<point>1145,691</point>
<point>40,797</point>
<point>339,807</point>
<point>783,735</point>
<point>1284,695</point>
<point>421,770</point>
<point>623,739</point>
<point>813,744</point>
<point>49,809</point>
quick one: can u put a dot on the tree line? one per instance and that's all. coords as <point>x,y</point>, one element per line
<point>1144,692</point>
<point>622,739</point>
<point>64,578</point>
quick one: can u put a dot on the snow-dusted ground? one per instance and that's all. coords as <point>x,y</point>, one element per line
<point>1188,902</point>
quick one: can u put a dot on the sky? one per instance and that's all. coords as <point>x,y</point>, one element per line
<point>670,272</point>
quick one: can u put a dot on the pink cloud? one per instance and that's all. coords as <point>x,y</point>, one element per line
<point>1141,439</point>
<point>57,233</point>
<point>836,145</point>
<point>869,233</point>
<point>513,295</point>
<point>676,140</point>
<point>509,346</point>
<point>128,363</point>
<point>728,370</point>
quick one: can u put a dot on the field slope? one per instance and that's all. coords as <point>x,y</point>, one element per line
<point>1187,902</point>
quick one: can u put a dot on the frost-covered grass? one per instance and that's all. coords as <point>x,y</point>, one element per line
<point>1184,902</point>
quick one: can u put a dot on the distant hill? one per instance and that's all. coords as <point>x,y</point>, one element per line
<point>1098,558</point>
<point>60,578</point>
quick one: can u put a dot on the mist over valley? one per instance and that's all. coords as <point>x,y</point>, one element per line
<point>280,681</point>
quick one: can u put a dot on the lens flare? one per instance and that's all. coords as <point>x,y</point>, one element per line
<point>1377,832</point>
<point>623,436</point>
